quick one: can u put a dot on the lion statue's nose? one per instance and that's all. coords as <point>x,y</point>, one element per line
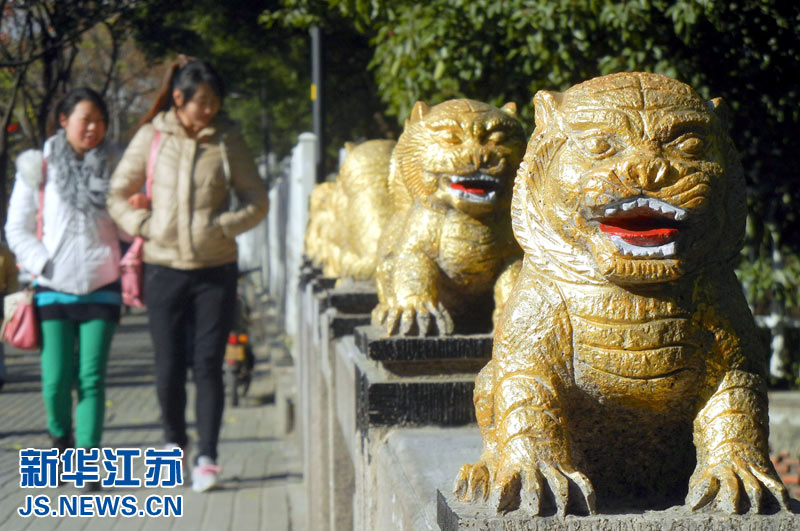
<point>648,173</point>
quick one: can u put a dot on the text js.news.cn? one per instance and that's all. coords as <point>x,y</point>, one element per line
<point>39,468</point>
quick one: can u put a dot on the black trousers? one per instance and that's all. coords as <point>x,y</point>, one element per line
<point>190,314</point>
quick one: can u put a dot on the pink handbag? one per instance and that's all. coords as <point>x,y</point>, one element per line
<point>131,265</point>
<point>20,328</point>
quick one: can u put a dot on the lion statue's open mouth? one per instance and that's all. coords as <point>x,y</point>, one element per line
<point>476,187</point>
<point>642,226</point>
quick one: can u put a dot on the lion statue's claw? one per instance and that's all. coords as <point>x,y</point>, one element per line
<point>536,488</point>
<point>442,319</point>
<point>734,486</point>
<point>420,319</point>
<point>472,483</point>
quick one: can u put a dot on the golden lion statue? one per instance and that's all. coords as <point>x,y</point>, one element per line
<point>626,370</point>
<point>449,237</point>
<point>346,217</point>
<point>428,219</point>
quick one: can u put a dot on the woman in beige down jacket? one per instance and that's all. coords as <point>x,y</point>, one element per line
<point>199,162</point>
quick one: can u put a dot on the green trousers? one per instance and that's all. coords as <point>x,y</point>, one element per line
<point>63,368</point>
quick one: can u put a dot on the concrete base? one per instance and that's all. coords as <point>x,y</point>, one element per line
<point>412,465</point>
<point>453,515</point>
<point>416,468</point>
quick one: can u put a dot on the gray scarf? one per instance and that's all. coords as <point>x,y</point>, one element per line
<point>83,184</point>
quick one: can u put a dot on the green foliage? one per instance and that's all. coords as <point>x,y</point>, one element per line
<point>767,273</point>
<point>265,73</point>
<point>266,66</point>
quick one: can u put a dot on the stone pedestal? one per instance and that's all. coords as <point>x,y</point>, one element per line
<point>328,313</point>
<point>357,386</point>
<point>404,381</point>
<point>453,515</point>
<point>416,468</point>
<point>312,405</point>
<point>352,297</point>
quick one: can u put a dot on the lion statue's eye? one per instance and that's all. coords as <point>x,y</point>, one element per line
<point>497,136</point>
<point>690,145</point>
<point>449,137</point>
<point>597,145</point>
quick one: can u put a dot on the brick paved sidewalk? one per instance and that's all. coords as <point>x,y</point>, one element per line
<point>261,471</point>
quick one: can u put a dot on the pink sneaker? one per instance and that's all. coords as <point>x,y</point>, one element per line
<point>205,475</point>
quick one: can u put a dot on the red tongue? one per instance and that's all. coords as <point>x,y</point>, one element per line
<point>476,191</point>
<point>642,237</point>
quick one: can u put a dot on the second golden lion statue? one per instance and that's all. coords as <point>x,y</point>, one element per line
<point>449,240</point>
<point>626,369</point>
<point>431,226</point>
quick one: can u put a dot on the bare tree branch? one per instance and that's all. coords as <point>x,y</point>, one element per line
<point>112,63</point>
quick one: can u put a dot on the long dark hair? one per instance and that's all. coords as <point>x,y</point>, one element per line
<point>72,98</point>
<point>185,74</point>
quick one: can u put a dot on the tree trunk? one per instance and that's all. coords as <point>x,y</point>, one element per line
<point>5,120</point>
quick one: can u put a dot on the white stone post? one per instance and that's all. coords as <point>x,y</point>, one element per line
<point>301,182</point>
<point>278,198</point>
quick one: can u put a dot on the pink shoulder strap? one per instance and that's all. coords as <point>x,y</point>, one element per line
<point>40,212</point>
<point>155,145</point>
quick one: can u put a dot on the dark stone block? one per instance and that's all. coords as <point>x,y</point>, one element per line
<point>453,515</point>
<point>383,398</point>
<point>307,274</point>
<point>374,345</point>
<point>343,324</point>
<point>321,283</point>
<point>414,402</point>
<point>347,301</point>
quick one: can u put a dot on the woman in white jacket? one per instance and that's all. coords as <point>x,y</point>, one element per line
<point>74,261</point>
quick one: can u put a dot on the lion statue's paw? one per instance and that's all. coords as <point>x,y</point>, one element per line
<point>416,318</point>
<point>734,485</point>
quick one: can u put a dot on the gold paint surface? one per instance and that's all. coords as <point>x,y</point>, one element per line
<point>626,372</point>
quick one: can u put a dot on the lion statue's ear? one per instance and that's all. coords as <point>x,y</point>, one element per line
<point>545,105</point>
<point>348,146</point>
<point>418,112</point>
<point>510,108</point>
<point>721,110</point>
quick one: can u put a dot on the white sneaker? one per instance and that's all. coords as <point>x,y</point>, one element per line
<point>205,475</point>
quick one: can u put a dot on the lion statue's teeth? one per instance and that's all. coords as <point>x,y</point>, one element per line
<point>677,213</point>
<point>660,251</point>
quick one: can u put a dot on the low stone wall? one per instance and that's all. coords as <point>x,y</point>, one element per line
<point>385,425</point>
